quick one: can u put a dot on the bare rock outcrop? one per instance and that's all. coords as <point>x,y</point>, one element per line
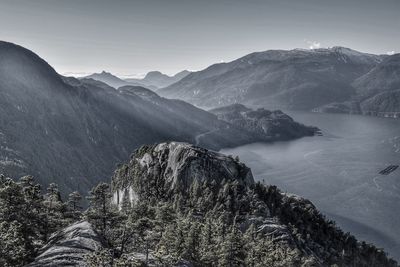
<point>69,246</point>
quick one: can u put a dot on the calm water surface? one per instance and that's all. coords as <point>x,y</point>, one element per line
<point>339,172</point>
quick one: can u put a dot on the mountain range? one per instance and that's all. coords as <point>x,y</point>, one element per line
<point>159,80</point>
<point>73,132</point>
<point>153,80</point>
<point>297,79</point>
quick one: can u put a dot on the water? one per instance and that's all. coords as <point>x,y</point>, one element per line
<point>339,172</point>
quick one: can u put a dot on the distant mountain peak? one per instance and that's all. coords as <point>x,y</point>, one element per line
<point>158,79</point>
<point>31,69</point>
<point>155,72</point>
<point>107,78</point>
<point>156,75</point>
<point>182,74</point>
<point>106,73</point>
<point>277,79</point>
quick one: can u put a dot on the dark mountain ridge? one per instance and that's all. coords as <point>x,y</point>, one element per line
<point>382,78</point>
<point>73,132</point>
<point>294,79</point>
<point>49,124</point>
<point>377,91</point>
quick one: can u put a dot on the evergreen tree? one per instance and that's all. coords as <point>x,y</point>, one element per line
<point>35,222</point>
<point>13,248</point>
<point>123,234</point>
<point>165,250</point>
<point>253,247</point>
<point>100,212</point>
<point>55,210</point>
<point>181,233</point>
<point>12,202</point>
<point>232,252</point>
<point>143,228</point>
<point>208,244</point>
<point>19,212</point>
<point>192,242</point>
<point>125,203</point>
<point>99,258</point>
<point>74,206</point>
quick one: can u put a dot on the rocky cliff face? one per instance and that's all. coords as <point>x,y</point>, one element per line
<point>69,246</point>
<point>206,182</point>
<point>173,168</point>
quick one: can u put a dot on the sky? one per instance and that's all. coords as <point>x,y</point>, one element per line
<point>130,38</point>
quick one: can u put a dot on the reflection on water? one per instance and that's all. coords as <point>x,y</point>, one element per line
<point>339,172</point>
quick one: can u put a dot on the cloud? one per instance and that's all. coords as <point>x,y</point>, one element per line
<point>390,53</point>
<point>313,44</point>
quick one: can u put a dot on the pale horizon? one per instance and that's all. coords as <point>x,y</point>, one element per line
<point>131,38</point>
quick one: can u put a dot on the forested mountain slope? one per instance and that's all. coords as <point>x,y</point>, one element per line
<point>73,132</point>
<point>290,79</point>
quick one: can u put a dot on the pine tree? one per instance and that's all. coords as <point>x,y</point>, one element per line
<point>165,250</point>
<point>99,258</point>
<point>55,210</point>
<point>123,232</point>
<point>126,203</point>
<point>208,244</point>
<point>74,206</point>
<point>19,235</point>
<point>253,249</point>
<point>232,252</point>
<point>12,200</point>
<point>32,193</point>
<point>13,249</point>
<point>106,218</point>
<point>192,242</point>
<point>143,228</point>
<point>35,224</point>
<point>181,233</point>
<point>100,212</point>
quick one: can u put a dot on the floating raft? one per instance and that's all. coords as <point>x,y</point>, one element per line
<point>389,169</point>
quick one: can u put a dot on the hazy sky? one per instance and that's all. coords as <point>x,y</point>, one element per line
<point>133,37</point>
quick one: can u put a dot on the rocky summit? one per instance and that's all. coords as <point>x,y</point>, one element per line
<point>208,184</point>
<point>177,204</point>
<point>175,167</point>
<point>69,246</point>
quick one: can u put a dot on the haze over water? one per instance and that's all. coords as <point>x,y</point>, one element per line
<point>339,172</point>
